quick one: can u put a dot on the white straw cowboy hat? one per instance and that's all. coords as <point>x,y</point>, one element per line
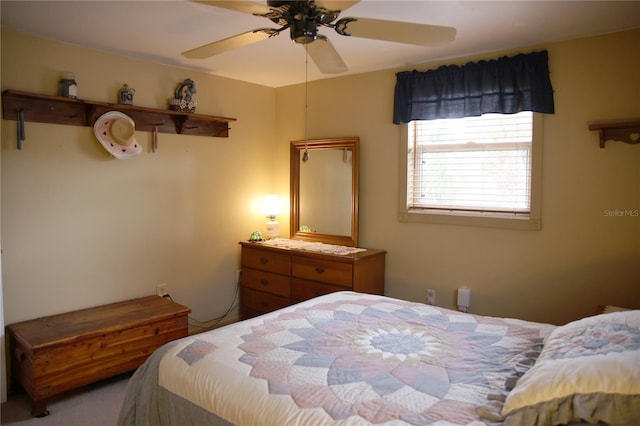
<point>116,133</point>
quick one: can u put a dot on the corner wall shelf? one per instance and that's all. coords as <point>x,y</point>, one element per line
<point>627,131</point>
<point>80,112</point>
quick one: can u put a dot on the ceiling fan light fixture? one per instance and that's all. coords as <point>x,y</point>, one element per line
<point>341,26</point>
<point>304,31</point>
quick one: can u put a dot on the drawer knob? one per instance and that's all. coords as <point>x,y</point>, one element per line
<point>264,260</point>
<point>264,281</point>
<point>319,269</point>
<point>264,304</point>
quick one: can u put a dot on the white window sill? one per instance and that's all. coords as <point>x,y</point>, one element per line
<point>490,220</point>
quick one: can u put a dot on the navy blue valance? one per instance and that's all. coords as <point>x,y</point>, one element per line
<point>506,85</point>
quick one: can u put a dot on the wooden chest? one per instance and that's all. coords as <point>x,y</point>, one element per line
<point>54,354</point>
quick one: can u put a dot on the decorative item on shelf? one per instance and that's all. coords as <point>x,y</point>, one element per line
<point>256,236</point>
<point>184,102</point>
<point>271,209</point>
<point>116,133</point>
<point>68,85</point>
<point>125,95</point>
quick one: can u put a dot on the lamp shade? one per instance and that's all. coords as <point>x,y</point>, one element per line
<point>271,205</point>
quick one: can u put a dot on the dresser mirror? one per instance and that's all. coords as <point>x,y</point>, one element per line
<point>324,190</point>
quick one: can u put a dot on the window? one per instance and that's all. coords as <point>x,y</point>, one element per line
<point>482,171</point>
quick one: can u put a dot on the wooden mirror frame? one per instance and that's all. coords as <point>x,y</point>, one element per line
<point>297,147</point>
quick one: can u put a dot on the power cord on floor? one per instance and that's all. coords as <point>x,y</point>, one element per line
<point>212,323</point>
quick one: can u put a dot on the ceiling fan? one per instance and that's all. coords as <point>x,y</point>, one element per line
<point>303,19</point>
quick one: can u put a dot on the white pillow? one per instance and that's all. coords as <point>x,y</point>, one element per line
<point>588,370</point>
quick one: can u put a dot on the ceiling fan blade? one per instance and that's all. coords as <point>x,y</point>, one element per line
<point>221,46</point>
<point>325,56</point>
<point>340,5</point>
<point>400,32</point>
<point>239,6</point>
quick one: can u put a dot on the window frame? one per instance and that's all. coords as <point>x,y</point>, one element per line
<point>530,222</point>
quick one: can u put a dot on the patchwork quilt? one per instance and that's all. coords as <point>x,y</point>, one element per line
<point>343,358</point>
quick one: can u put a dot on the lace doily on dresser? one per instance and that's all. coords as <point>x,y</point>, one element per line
<point>311,246</point>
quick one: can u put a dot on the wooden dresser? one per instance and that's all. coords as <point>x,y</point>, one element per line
<point>273,278</point>
<point>57,353</point>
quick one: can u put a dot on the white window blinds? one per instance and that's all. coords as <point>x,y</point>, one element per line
<point>479,164</point>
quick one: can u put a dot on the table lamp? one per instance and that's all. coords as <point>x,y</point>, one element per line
<point>271,208</point>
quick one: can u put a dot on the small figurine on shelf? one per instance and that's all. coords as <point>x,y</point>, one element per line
<point>184,102</point>
<point>125,95</point>
<point>68,85</point>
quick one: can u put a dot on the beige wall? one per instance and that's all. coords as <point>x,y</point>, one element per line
<point>80,228</point>
<point>579,259</point>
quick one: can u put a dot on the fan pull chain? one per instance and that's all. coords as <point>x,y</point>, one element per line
<point>305,156</point>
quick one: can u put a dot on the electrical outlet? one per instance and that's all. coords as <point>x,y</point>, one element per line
<point>431,296</point>
<point>162,289</point>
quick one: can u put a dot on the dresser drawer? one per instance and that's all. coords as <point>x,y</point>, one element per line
<point>266,281</point>
<point>323,270</point>
<point>303,290</point>
<point>259,301</point>
<point>265,260</point>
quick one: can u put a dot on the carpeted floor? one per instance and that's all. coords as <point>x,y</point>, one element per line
<point>97,404</point>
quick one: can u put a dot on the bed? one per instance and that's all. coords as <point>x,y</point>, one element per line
<point>349,358</point>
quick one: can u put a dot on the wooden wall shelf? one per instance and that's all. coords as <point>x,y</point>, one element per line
<point>80,112</point>
<point>627,131</point>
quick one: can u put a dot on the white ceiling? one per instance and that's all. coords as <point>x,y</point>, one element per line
<point>160,30</point>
